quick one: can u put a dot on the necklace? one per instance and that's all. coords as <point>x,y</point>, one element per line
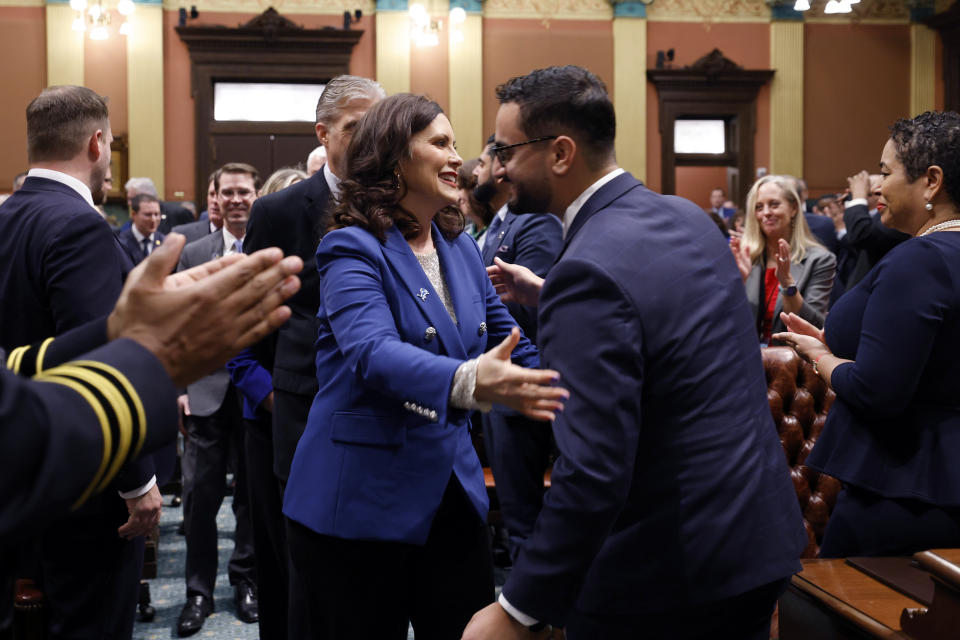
<point>949,224</point>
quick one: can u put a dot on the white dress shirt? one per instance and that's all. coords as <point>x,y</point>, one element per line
<point>581,200</point>
<point>63,178</point>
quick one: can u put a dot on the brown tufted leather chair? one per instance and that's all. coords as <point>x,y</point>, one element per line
<point>799,401</point>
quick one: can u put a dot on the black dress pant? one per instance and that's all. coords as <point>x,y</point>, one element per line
<point>279,620</point>
<point>212,442</point>
<point>372,590</point>
<point>864,523</point>
<point>89,575</point>
<point>742,617</point>
<point>518,450</point>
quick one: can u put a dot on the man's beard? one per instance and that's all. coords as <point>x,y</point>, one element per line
<point>96,185</point>
<point>530,198</point>
<point>485,192</point>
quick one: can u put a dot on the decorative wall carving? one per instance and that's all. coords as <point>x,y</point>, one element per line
<point>288,7</point>
<point>547,10</point>
<point>708,10</point>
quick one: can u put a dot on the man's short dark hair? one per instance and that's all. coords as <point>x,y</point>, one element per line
<point>236,167</point>
<point>214,178</point>
<point>565,100</point>
<point>61,120</point>
<point>140,198</point>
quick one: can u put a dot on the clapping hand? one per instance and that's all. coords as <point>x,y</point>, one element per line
<point>529,391</point>
<point>742,257</point>
<point>784,277</point>
<point>805,338</point>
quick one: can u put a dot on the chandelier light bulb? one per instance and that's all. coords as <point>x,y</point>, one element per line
<point>833,6</point>
<point>458,15</point>
<point>78,5</point>
<point>98,33</point>
<point>125,29</point>
<point>801,5</point>
<point>125,7</point>
<point>78,25</point>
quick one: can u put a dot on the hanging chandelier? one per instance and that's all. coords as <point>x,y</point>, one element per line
<point>96,17</point>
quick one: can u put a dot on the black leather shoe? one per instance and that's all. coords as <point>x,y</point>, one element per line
<point>246,599</point>
<point>194,613</point>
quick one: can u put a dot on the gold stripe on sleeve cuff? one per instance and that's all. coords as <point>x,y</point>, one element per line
<point>41,352</point>
<point>104,427</point>
<point>137,408</point>
<point>13,361</point>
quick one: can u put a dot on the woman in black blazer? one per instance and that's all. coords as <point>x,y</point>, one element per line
<point>891,351</point>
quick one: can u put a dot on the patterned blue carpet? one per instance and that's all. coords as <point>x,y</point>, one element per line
<point>168,589</point>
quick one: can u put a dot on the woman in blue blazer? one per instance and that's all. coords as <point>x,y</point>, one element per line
<point>386,500</point>
<point>891,351</point>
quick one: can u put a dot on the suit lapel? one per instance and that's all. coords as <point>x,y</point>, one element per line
<point>599,201</point>
<point>319,204</point>
<point>416,285</point>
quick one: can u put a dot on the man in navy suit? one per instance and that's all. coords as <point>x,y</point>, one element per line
<point>671,508</point>
<point>517,447</point>
<point>63,268</point>
<point>141,237</point>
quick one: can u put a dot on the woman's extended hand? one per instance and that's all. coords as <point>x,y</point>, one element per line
<point>515,283</point>
<point>796,324</point>
<point>742,257</point>
<point>529,391</point>
<point>784,277</point>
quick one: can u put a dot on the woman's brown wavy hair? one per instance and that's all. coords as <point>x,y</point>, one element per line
<point>370,193</point>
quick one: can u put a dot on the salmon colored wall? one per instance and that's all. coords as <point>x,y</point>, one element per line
<point>178,102</point>
<point>105,71</point>
<point>513,47</point>
<point>430,72</point>
<point>938,88</point>
<point>747,44</point>
<point>857,82</point>
<point>23,48</point>
<point>696,183</point>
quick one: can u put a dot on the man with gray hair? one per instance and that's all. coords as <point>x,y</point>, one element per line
<point>293,219</point>
<point>171,214</point>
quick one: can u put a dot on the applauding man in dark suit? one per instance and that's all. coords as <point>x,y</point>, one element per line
<point>518,448</point>
<point>671,508</point>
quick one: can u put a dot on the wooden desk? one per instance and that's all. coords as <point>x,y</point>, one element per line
<point>832,600</point>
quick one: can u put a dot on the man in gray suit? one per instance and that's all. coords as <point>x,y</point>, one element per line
<point>214,427</point>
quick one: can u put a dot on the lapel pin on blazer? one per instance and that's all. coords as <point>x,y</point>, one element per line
<point>483,329</point>
<point>503,248</point>
<point>423,294</point>
<point>429,334</point>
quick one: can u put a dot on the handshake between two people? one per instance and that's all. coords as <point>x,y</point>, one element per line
<point>195,320</point>
<point>533,392</point>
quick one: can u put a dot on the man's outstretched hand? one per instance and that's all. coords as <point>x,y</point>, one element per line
<point>195,320</point>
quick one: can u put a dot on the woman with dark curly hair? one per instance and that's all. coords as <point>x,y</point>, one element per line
<point>891,351</point>
<point>386,500</point>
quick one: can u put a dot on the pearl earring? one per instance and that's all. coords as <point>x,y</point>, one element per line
<point>928,206</point>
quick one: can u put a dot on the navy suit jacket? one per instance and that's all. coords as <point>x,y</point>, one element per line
<point>895,426</point>
<point>530,240</point>
<point>133,248</point>
<point>381,440</point>
<point>869,238</point>
<point>671,487</point>
<point>824,231</point>
<point>52,445</point>
<point>293,219</point>
<point>63,267</point>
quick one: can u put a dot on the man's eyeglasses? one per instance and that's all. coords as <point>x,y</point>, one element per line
<point>505,152</point>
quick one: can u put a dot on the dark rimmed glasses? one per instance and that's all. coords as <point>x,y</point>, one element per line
<point>505,152</point>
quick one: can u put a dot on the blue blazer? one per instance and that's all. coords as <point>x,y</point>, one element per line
<point>381,440</point>
<point>671,487</point>
<point>531,240</point>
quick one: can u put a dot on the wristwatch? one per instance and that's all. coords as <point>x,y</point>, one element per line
<point>789,291</point>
